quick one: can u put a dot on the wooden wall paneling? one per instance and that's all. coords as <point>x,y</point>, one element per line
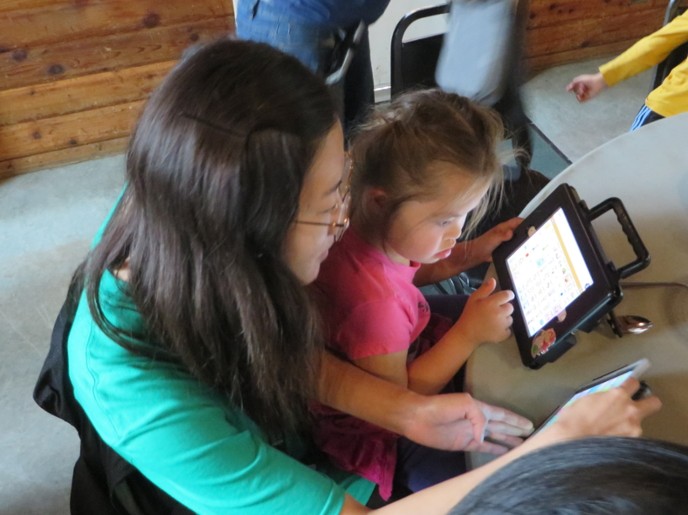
<point>572,30</point>
<point>11,167</point>
<point>548,12</point>
<point>18,5</point>
<point>95,54</point>
<point>68,19</point>
<point>588,33</point>
<point>70,130</point>
<point>74,74</point>
<point>79,94</point>
<point>538,63</point>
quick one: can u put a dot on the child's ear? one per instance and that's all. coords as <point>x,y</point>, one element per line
<point>376,201</point>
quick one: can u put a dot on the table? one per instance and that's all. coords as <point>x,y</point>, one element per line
<point>648,170</point>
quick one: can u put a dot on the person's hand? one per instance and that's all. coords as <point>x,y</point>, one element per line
<point>470,253</point>
<point>504,430</point>
<point>456,421</point>
<point>612,412</point>
<point>586,87</point>
<point>487,315</point>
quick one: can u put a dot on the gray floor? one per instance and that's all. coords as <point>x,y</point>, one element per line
<point>47,219</point>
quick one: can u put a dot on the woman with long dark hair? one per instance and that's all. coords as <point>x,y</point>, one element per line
<point>195,347</point>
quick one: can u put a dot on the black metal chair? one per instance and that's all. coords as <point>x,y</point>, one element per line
<point>413,65</point>
<point>674,8</point>
<point>413,62</point>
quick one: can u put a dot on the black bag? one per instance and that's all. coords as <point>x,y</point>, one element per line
<point>103,482</point>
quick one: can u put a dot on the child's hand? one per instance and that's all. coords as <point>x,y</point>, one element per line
<point>586,87</point>
<point>470,253</point>
<point>487,315</point>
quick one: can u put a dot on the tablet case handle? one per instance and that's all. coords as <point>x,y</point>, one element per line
<point>641,252</point>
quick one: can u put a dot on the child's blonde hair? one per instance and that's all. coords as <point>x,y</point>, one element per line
<point>396,148</point>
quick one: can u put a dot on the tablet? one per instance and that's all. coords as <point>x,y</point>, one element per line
<point>601,384</point>
<point>559,274</point>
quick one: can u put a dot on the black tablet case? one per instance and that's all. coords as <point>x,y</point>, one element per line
<point>596,301</point>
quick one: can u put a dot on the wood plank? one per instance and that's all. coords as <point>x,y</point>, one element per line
<point>62,20</point>
<point>21,5</point>
<point>71,130</point>
<point>553,12</point>
<point>81,93</point>
<point>12,167</point>
<point>539,63</point>
<point>119,50</point>
<point>583,34</point>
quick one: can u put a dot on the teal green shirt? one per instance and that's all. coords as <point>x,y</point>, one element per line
<point>188,441</point>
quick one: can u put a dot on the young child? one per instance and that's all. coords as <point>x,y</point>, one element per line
<point>418,169</point>
<point>669,98</point>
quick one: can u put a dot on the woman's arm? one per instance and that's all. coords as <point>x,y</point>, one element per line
<point>606,413</point>
<point>450,421</point>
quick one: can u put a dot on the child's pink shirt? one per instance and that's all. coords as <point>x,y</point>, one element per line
<point>370,307</point>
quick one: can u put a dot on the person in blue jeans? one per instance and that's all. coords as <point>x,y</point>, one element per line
<point>312,31</point>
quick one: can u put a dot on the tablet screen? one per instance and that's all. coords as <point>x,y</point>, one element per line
<point>548,272</point>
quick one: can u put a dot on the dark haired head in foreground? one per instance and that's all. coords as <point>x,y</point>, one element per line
<point>593,476</point>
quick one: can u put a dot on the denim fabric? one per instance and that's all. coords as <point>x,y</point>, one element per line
<point>314,45</point>
<point>328,13</point>
<point>261,20</point>
<point>419,467</point>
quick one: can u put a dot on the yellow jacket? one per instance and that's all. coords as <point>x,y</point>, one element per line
<point>671,97</point>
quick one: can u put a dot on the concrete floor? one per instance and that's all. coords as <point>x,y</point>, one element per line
<point>47,220</point>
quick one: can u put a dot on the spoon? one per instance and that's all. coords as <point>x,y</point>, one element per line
<point>629,324</point>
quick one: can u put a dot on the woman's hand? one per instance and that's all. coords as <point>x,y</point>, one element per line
<point>612,412</point>
<point>504,430</point>
<point>456,421</point>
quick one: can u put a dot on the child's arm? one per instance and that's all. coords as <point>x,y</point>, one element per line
<point>486,318</point>
<point>467,254</point>
<point>646,52</point>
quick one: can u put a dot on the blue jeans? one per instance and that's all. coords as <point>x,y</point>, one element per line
<point>316,47</point>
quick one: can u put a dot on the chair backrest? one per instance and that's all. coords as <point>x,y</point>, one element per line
<point>413,63</point>
<point>344,54</point>
<point>674,8</point>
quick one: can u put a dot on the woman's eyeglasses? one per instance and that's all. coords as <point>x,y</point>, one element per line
<point>341,208</point>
